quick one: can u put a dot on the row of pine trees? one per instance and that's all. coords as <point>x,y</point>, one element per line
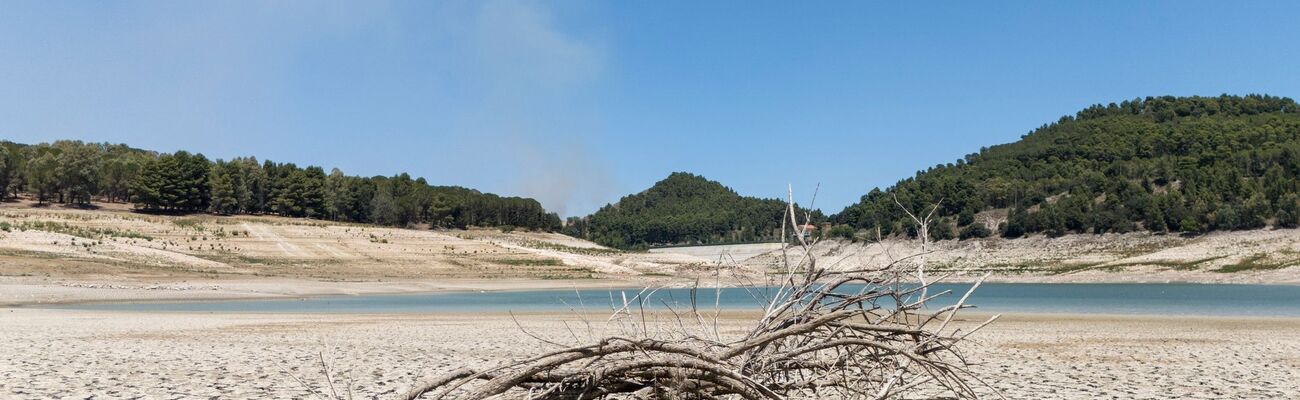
<point>73,172</point>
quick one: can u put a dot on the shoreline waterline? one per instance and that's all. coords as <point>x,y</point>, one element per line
<point>1194,299</point>
<point>131,291</point>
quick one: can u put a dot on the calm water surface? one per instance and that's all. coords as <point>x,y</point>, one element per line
<point>1174,299</point>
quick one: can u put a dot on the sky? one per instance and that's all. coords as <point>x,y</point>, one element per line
<point>579,103</point>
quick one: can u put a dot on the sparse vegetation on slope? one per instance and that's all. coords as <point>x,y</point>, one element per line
<point>60,242</point>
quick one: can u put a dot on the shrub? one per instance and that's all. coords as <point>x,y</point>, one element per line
<point>942,230</point>
<point>975,231</point>
<point>843,232</point>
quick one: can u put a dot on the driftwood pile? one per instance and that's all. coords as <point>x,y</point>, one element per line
<point>861,334</point>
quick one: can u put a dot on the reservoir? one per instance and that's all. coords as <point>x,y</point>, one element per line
<point>1099,298</point>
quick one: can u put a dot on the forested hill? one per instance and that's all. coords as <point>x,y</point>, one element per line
<point>1189,164</point>
<point>682,209</point>
<point>74,172</point>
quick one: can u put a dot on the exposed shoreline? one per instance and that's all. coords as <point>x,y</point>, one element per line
<point>53,255</point>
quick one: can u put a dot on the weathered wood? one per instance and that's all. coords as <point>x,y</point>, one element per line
<point>810,342</point>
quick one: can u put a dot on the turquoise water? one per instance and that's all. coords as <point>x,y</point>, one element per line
<point>1165,299</point>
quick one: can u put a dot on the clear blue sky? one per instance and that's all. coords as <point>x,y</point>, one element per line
<point>578,103</point>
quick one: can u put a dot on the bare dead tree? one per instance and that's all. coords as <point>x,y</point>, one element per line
<point>849,334</point>
<point>922,233</point>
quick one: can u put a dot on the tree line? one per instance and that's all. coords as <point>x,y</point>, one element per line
<point>73,172</point>
<point>1159,164</point>
<point>683,209</point>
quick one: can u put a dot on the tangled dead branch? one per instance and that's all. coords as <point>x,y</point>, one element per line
<point>859,334</point>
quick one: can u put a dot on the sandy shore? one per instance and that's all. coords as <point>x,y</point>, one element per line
<point>68,256</point>
<point>80,354</point>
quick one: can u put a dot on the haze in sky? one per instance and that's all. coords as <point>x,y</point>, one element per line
<point>579,103</point>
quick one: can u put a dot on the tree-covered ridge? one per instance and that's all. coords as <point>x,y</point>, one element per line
<point>1189,164</point>
<point>73,172</point>
<point>682,209</point>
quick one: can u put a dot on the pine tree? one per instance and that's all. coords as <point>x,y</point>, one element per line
<point>383,209</point>
<point>77,172</point>
<point>1255,212</point>
<point>1051,221</point>
<point>224,197</point>
<point>440,215</point>
<point>118,171</point>
<point>1016,224</point>
<point>146,188</point>
<point>1288,211</point>
<point>6,171</point>
<point>41,176</point>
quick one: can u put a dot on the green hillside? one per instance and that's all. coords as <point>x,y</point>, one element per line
<point>1188,164</point>
<point>682,209</point>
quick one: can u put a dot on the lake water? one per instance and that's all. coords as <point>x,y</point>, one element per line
<point>1162,299</point>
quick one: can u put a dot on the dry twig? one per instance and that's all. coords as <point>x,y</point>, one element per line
<point>848,334</point>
